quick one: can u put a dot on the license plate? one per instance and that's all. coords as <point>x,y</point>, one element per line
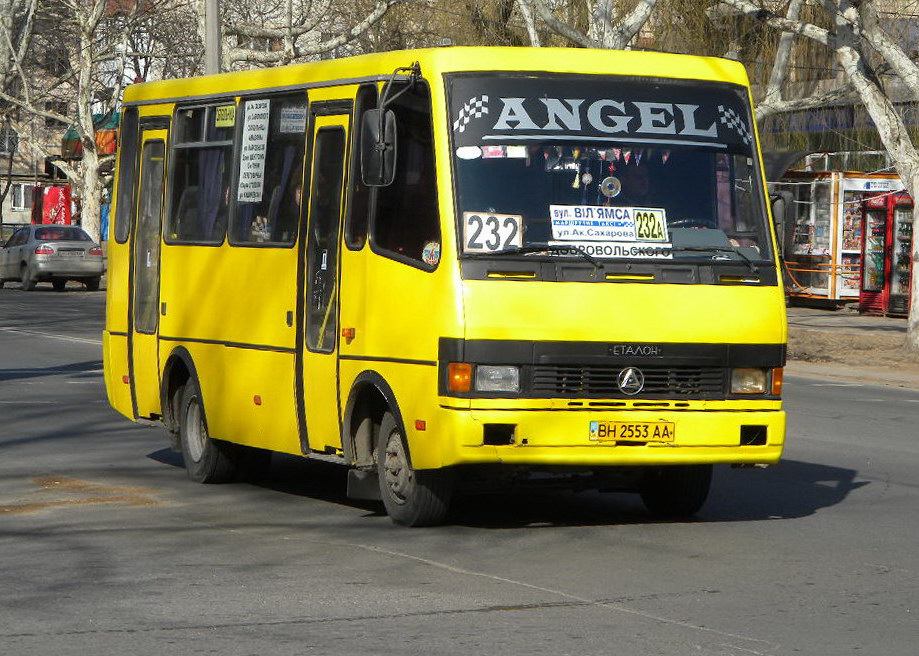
<point>70,253</point>
<point>632,431</point>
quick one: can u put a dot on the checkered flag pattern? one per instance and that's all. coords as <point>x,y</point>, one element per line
<point>731,119</point>
<point>475,107</point>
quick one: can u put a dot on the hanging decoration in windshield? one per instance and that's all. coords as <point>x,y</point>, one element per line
<point>509,109</point>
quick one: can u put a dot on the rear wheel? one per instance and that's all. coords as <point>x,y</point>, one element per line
<point>206,460</point>
<point>28,283</point>
<point>676,491</point>
<point>412,497</point>
<point>58,284</point>
<point>92,284</point>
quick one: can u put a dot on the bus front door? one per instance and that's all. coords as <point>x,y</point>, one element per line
<point>145,275</point>
<point>318,375</point>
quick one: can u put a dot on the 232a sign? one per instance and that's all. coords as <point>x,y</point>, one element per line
<point>484,232</point>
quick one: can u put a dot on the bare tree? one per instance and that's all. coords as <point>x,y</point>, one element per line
<point>68,70</point>
<point>271,32</point>
<point>856,37</point>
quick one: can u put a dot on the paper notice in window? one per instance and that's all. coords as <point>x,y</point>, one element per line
<point>253,151</point>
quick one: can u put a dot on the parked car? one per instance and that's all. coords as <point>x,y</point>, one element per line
<point>53,253</point>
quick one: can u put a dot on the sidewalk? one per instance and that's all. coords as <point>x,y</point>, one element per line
<point>844,345</point>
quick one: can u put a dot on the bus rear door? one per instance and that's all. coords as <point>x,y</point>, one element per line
<point>319,368</point>
<point>145,275</point>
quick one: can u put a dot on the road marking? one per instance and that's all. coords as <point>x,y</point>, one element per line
<point>837,385</point>
<point>30,402</point>
<point>606,604</point>
<point>79,340</point>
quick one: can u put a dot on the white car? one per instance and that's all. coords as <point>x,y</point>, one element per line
<point>53,253</point>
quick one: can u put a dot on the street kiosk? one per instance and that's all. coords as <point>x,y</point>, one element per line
<point>887,224</point>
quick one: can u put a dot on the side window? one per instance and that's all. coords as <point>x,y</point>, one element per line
<point>19,237</point>
<point>127,175</point>
<point>202,159</point>
<point>358,193</point>
<point>270,172</point>
<point>406,223</point>
<point>147,239</point>
<point>322,241</point>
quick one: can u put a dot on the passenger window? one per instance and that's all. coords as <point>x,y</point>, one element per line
<point>358,193</point>
<point>201,166</point>
<point>322,242</point>
<point>406,222</point>
<point>127,175</point>
<point>270,172</point>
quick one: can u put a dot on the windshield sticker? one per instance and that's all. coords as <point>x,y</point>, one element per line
<point>629,250</point>
<point>492,152</point>
<point>468,152</point>
<point>507,108</point>
<point>610,224</point>
<point>431,253</point>
<point>486,232</point>
<point>516,152</point>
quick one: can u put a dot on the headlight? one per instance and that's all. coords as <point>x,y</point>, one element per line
<point>748,381</point>
<point>490,378</point>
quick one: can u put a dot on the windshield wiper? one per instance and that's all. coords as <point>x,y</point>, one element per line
<point>545,246</point>
<point>715,250</point>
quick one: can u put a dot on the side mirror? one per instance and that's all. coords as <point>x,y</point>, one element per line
<point>378,151</point>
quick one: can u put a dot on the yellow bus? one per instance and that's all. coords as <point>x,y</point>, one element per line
<point>452,269</point>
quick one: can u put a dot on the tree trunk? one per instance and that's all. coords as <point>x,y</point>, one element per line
<point>91,180</point>
<point>912,332</point>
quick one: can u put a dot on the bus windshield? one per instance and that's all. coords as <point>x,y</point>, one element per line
<point>629,169</point>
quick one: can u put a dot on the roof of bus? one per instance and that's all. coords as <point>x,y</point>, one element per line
<point>444,60</point>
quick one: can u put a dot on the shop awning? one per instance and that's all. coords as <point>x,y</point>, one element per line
<point>106,137</point>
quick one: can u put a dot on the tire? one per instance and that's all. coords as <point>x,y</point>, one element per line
<point>411,497</point>
<point>206,460</point>
<point>676,491</point>
<point>59,284</point>
<point>92,284</point>
<point>28,283</point>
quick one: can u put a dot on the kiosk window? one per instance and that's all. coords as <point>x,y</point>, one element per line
<point>406,218</point>
<point>200,190</point>
<point>270,170</point>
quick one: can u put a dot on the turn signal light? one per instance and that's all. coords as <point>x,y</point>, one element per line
<point>459,377</point>
<point>44,249</point>
<point>777,374</point>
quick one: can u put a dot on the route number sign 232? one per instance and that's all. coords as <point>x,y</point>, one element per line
<point>486,233</point>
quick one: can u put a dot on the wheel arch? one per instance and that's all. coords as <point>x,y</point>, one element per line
<point>179,369</point>
<point>370,396</point>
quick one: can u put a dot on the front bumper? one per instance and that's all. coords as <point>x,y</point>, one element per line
<point>562,438</point>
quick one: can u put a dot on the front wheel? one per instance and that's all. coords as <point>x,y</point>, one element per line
<point>206,460</point>
<point>676,491</point>
<point>412,497</point>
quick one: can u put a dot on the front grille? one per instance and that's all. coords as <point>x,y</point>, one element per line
<point>660,382</point>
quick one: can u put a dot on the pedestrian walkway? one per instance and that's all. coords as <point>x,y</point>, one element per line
<point>844,320</point>
<point>850,340</point>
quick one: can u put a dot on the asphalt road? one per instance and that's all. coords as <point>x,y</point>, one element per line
<point>107,548</point>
